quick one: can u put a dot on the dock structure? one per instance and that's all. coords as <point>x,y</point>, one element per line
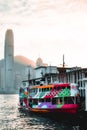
<point>84,81</point>
<point>86,95</point>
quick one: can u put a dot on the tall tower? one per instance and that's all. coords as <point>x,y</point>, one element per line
<point>9,61</point>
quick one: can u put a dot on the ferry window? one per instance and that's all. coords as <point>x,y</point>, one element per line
<point>41,100</point>
<point>30,102</point>
<point>59,100</point>
<point>58,88</point>
<point>66,100</point>
<point>31,90</point>
<point>36,89</point>
<point>53,100</point>
<point>69,100</point>
<point>35,101</point>
<point>47,89</point>
<point>68,87</point>
<point>50,89</point>
<point>55,87</point>
<point>42,89</point>
<point>39,89</point>
<point>63,87</point>
<point>77,99</point>
<point>48,99</point>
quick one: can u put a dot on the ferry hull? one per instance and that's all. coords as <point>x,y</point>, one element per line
<point>39,110</point>
<point>69,109</point>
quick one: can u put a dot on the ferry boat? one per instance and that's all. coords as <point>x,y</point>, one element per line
<point>51,98</point>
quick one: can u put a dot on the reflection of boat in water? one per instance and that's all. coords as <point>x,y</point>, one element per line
<point>52,98</point>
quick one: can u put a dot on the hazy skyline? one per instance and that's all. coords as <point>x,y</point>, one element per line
<point>46,28</point>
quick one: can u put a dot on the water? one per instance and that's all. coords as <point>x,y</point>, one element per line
<point>12,118</point>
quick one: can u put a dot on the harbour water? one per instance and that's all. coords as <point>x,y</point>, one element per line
<point>12,118</point>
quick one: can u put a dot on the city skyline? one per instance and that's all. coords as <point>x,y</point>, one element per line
<point>47,29</point>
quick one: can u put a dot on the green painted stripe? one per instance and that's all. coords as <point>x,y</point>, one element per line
<point>64,93</point>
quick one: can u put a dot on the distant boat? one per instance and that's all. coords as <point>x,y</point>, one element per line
<point>51,98</point>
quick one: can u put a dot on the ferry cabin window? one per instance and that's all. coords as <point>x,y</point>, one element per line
<point>77,99</point>
<point>35,101</point>
<point>58,88</point>
<point>40,89</point>
<point>32,90</point>
<point>30,102</point>
<point>63,87</point>
<point>50,88</point>
<point>45,89</point>
<point>54,100</point>
<point>55,87</point>
<point>48,99</point>
<point>60,100</point>
<point>68,87</point>
<point>41,100</point>
<point>69,100</point>
<point>35,90</point>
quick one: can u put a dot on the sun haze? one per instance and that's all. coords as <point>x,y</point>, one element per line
<point>50,28</point>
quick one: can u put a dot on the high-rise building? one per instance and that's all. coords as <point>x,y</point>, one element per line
<point>9,61</point>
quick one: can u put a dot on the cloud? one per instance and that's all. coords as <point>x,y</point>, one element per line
<point>19,10</point>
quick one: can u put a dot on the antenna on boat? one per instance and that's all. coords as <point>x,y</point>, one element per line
<point>63,64</point>
<point>63,61</point>
<point>63,69</point>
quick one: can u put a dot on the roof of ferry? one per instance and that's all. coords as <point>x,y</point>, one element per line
<point>52,85</point>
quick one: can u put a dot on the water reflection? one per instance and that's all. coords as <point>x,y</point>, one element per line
<point>12,118</point>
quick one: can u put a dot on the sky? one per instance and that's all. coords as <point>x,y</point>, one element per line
<point>46,29</point>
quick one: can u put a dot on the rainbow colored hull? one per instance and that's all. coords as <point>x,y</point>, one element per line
<point>71,109</point>
<point>55,100</point>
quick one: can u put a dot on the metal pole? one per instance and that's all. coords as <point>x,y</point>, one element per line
<point>86,95</point>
